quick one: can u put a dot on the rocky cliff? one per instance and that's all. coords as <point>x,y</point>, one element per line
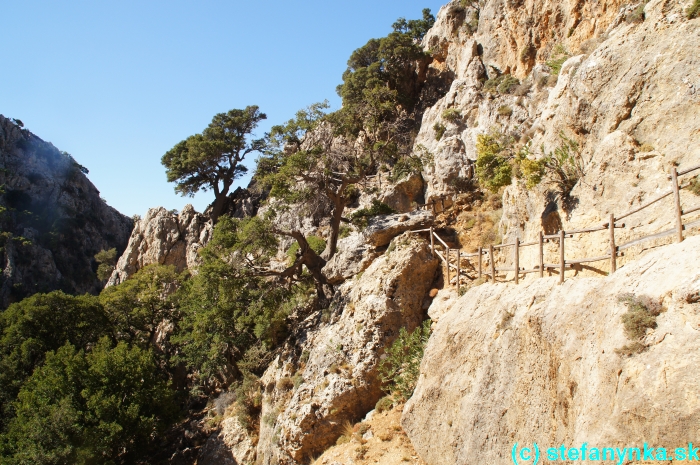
<point>53,219</point>
<point>627,93</point>
<point>541,363</point>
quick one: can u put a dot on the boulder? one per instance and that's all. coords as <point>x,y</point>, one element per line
<point>383,228</point>
<point>352,257</point>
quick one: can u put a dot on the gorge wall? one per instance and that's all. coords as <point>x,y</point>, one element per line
<point>53,219</point>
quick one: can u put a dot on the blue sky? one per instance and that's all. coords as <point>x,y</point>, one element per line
<point>117,84</point>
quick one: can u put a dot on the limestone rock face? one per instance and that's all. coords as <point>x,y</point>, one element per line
<point>383,228</point>
<point>352,257</point>
<point>166,238</point>
<point>403,195</point>
<point>230,446</point>
<point>537,362</point>
<point>53,219</point>
<point>629,101</point>
<point>331,378</point>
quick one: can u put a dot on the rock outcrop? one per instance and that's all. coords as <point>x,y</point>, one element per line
<point>628,96</point>
<point>166,238</point>
<point>383,228</point>
<point>310,390</point>
<point>53,219</point>
<point>538,363</point>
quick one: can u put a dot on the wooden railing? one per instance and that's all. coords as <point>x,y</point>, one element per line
<point>560,238</point>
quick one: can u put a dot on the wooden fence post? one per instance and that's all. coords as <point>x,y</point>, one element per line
<point>493,265</point>
<point>432,242</point>
<point>562,262</point>
<point>481,255</point>
<point>447,259</point>
<point>459,256</point>
<point>541,240</point>
<point>613,248</point>
<point>677,197</point>
<point>516,259</point>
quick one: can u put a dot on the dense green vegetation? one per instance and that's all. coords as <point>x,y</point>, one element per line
<point>400,369</point>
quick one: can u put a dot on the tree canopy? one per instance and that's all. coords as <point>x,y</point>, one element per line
<point>212,160</point>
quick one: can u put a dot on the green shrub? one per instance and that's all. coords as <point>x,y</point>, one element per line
<point>359,217</point>
<point>503,84</point>
<point>528,52</point>
<point>493,162</point>
<point>451,114</point>
<point>106,259</point>
<point>637,15</point>
<point>344,231</point>
<point>103,406</point>
<point>439,129</point>
<point>563,167</point>
<point>505,110</point>
<point>694,10</point>
<point>641,315</point>
<point>557,58</point>
<point>400,369</point>
<point>384,404</point>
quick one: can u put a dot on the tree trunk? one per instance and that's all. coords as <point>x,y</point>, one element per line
<point>332,246</point>
<point>218,207</point>
<point>314,263</point>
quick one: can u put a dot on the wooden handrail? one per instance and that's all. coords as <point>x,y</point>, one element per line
<point>643,206</point>
<point>564,264</point>
<point>688,170</point>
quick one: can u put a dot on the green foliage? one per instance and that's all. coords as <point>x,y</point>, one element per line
<point>439,129</point>
<point>493,162</point>
<point>693,10</point>
<point>384,404</point>
<point>503,84</point>
<point>561,168</point>
<point>226,308</point>
<point>316,243</point>
<point>451,114</point>
<point>415,28</point>
<point>248,400</point>
<point>344,232</point>
<point>557,58</point>
<point>641,315</point>
<point>106,259</point>
<point>38,324</point>
<point>380,77</point>
<point>212,159</point>
<point>359,217</point>
<point>637,15</point>
<point>528,52</point>
<point>103,406</point>
<point>137,306</point>
<point>411,164</point>
<point>400,369</point>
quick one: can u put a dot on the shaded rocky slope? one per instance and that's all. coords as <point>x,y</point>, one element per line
<point>53,219</point>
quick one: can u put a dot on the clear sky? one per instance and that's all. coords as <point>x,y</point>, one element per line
<point>117,84</point>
